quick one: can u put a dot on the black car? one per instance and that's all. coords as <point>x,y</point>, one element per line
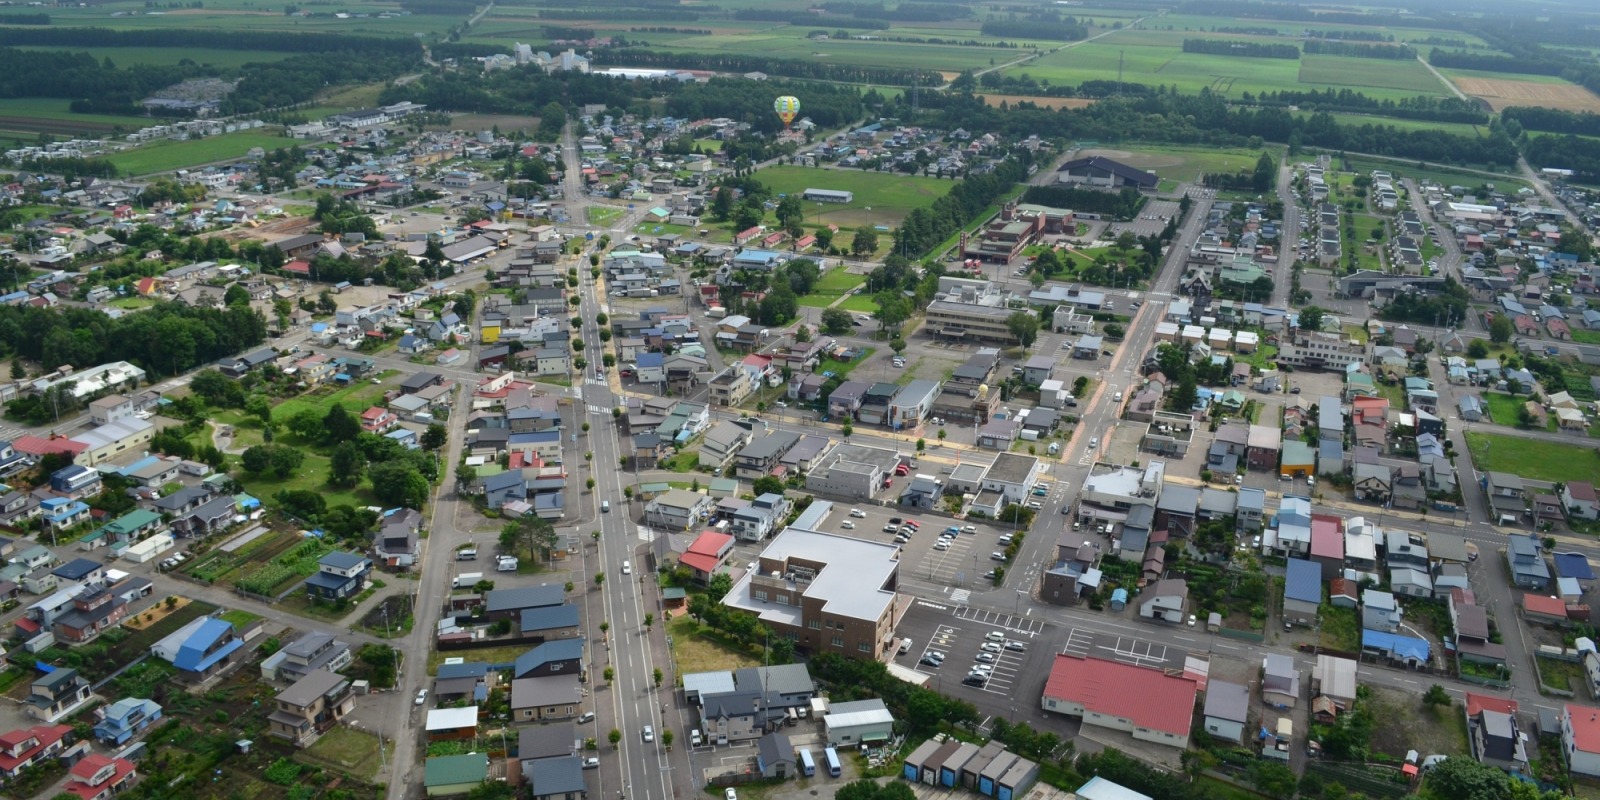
<point>931,661</point>
<point>975,680</point>
<point>895,520</point>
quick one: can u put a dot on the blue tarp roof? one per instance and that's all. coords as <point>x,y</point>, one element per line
<point>1400,647</point>
<point>1573,565</point>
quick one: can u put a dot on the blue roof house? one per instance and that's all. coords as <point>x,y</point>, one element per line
<point>61,513</point>
<point>1302,591</point>
<point>505,487</point>
<point>339,575</point>
<point>125,718</point>
<point>200,649</point>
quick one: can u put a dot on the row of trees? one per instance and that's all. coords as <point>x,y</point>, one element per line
<point>928,226</point>
<point>1235,47</point>
<point>1397,52</point>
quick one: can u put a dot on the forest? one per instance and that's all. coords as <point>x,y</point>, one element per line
<point>1552,120</point>
<point>1041,25</point>
<point>1231,47</point>
<point>166,339</point>
<point>1486,62</point>
<point>1577,153</point>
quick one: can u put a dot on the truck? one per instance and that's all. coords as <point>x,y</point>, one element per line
<point>466,580</point>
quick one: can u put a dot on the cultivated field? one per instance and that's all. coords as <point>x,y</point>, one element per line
<point>881,198</point>
<point>1503,93</point>
<point>1040,101</point>
<point>170,154</point>
<point>507,123</point>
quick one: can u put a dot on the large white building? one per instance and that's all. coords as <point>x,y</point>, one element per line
<point>1321,350</point>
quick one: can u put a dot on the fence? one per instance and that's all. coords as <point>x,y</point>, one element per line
<point>1243,636</point>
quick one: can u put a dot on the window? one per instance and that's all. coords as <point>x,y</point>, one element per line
<point>814,625</point>
<point>759,594</point>
<point>864,647</point>
<point>838,641</point>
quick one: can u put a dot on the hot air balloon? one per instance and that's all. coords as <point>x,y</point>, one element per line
<point>788,108</point>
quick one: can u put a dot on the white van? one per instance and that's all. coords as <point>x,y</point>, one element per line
<point>605,506</point>
<point>905,646</point>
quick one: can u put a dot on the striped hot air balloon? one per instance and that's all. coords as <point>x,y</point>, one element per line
<point>788,108</point>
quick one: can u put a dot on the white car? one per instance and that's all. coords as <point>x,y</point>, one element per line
<point>942,544</point>
<point>627,569</point>
<point>990,647</point>
<point>592,762</point>
<point>848,525</point>
<point>995,636</point>
<point>858,513</point>
<point>730,794</point>
<point>648,734</point>
<point>422,697</point>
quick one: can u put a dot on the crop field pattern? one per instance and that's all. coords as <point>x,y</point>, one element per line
<point>1504,93</point>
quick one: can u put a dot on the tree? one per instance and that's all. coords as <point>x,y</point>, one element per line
<point>722,203</point>
<point>346,464</point>
<point>260,407</point>
<point>1311,318</point>
<point>836,321</point>
<point>306,424</point>
<point>922,445</point>
<point>434,437</point>
<point>942,434</point>
<point>657,677</point>
<point>894,308</point>
<point>1477,348</point>
<point>285,460</point>
<point>1460,778</point>
<point>615,736</point>
<point>1025,326</point>
<point>599,579</point>
<point>1436,696</point>
<point>864,243</point>
<point>398,483</point>
<point>1500,329</point>
<point>767,484</point>
<point>256,459</point>
<point>339,425</point>
<point>848,429</point>
<point>1183,397</point>
<point>1272,778</point>
<point>236,295</point>
<point>649,621</point>
<point>790,212</point>
<point>666,735</point>
<point>1265,176</point>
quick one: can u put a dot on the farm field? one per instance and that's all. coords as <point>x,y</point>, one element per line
<point>1539,460</point>
<point>1040,101</point>
<point>1182,163</point>
<point>1357,120</point>
<point>881,198</point>
<point>790,42</point>
<point>170,154</point>
<point>240,17</point>
<point>51,115</point>
<point>1502,94</point>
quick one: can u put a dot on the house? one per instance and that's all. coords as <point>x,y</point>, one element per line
<point>1379,612</point>
<point>760,517</point>
<point>707,553</point>
<point>446,724</point>
<point>397,544</point>
<point>678,510</point>
<point>546,697</point>
<point>1165,600</point>
<point>1580,738</point>
<point>1152,705</point>
<point>1280,680</point>
<point>1227,710</point>
<point>504,487</point>
<point>99,777</point>
<point>449,776</point>
<point>775,756</point>
<point>1525,555</point>
<point>27,747</point>
<point>310,707</point>
<point>339,575</point>
<point>721,442</point>
<point>548,622</point>
<point>310,652</point>
<point>555,779</point>
<point>1494,733</point>
<point>1579,499</point>
<point>201,649</point>
<point>56,695</point>
<point>125,719</point>
<point>94,610</point>
<point>1302,591</point>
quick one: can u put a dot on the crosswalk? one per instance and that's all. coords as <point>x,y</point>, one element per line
<point>960,596</point>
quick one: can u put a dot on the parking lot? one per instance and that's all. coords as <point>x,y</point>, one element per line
<point>977,652</point>
<point>1151,220</point>
<point>965,560</point>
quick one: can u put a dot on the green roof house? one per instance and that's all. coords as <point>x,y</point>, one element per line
<point>448,776</point>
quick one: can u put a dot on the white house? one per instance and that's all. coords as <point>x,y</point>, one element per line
<point>1580,738</point>
<point>1227,710</point>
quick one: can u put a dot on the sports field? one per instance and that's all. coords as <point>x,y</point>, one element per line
<point>881,198</point>
<point>170,154</point>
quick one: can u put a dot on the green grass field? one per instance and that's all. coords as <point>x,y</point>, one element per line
<point>1539,460</point>
<point>234,16</point>
<point>33,115</point>
<point>1441,175</point>
<point>166,56</point>
<point>833,283</point>
<point>881,198</point>
<point>170,154</point>
<point>1357,120</point>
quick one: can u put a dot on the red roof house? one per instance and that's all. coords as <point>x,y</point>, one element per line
<point>40,446</point>
<point>1543,608</point>
<point>298,267</point>
<point>378,419</point>
<point>706,554</point>
<point>1150,704</point>
<point>97,777</point>
<point>22,748</point>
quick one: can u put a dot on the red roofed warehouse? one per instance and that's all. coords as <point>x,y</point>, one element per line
<point>1150,704</point>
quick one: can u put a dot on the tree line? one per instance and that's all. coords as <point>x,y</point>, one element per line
<point>276,41</point>
<point>928,226</point>
<point>1397,52</point>
<point>1488,62</point>
<point>1121,204</point>
<point>902,12</point>
<point>1352,36</point>
<point>1580,154</point>
<point>1552,120</point>
<point>1250,9</point>
<point>1069,31</point>
<point>1433,109</point>
<point>24,19</point>
<point>1233,47</point>
<point>828,105</point>
<point>805,18</point>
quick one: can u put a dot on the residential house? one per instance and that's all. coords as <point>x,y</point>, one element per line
<point>1525,555</point>
<point>450,776</point>
<point>1302,591</point>
<point>99,777</point>
<point>57,695</point>
<point>547,697</point>
<point>1165,600</point>
<point>1227,710</point>
<point>308,653</point>
<point>1379,611</point>
<point>1280,680</point>
<point>397,544</point>
<point>1580,738</point>
<point>1579,499</point>
<point>311,707</point>
<point>760,517</point>
<point>201,649</point>
<point>339,575</point>
<point>125,719</point>
<point>1494,733</point>
<point>28,747</point>
<point>678,510</point>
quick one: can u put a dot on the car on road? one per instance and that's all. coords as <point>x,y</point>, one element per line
<point>422,697</point>
<point>1094,442</point>
<point>995,636</point>
<point>990,647</point>
<point>1016,646</point>
<point>627,568</point>
<point>648,734</point>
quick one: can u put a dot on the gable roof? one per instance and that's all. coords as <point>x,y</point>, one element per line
<point>552,651</point>
<point>1149,698</point>
<point>522,597</point>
